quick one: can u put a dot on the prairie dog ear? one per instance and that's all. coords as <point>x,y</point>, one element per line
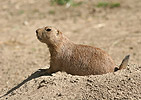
<point>58,32</point>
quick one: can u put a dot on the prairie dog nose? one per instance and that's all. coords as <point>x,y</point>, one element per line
<point>37,34</point>
<point>37,31</point>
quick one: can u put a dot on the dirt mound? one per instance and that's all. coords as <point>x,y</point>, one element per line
<point>124,84</point>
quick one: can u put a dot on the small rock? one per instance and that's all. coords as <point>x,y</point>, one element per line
<point>131,48</point>
<point>59,94</point>
<point>25,23</point>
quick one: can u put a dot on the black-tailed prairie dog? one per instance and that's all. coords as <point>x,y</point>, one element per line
<point>74,58</point>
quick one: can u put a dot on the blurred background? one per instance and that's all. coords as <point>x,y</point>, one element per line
<point>112,25</point>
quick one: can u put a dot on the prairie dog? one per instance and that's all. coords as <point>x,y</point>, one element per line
<point>75,59</point>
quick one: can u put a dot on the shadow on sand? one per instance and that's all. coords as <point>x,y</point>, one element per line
<point>36,74</point>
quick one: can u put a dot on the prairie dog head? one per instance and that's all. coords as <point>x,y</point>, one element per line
<point>49,35</point>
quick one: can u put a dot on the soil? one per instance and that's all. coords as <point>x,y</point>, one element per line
<point>115,30</point>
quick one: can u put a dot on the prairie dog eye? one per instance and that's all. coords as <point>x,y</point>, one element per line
<point>48,29</point>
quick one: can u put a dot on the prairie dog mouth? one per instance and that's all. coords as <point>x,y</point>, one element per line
<point>39,37</point>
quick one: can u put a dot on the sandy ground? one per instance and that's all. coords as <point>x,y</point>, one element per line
<point>116,30</point>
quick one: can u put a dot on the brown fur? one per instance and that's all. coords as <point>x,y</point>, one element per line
<point>73,58</point>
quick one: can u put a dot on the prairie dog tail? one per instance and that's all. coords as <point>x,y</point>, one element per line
<point>123,64</point>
